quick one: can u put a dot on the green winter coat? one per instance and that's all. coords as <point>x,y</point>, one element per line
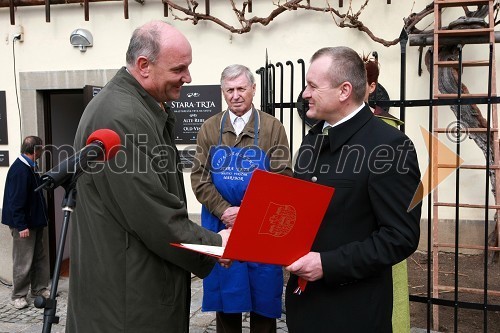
<point>125,277</point>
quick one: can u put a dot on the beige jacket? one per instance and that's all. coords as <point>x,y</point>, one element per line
<point>272,139</point>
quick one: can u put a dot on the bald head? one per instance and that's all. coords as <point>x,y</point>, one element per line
<point>158,57</point>
<point>148,40</point>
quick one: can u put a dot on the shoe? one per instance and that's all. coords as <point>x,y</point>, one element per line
<point>20,303</point>
<point>44,292</point>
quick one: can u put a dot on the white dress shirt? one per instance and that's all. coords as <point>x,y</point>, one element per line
<point>239,122</point>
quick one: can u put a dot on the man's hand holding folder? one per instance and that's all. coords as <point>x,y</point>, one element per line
<point>308,268</point>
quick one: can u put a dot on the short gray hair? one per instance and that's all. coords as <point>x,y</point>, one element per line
<point>234,71</point>
<point>346,65</point>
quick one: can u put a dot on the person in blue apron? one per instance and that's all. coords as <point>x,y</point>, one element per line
<point>231,145</point>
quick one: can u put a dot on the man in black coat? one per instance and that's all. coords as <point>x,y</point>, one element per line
<point>367,227</point>
<point>25,212</point>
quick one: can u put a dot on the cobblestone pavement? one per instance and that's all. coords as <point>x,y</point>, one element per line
<point>30,320</point>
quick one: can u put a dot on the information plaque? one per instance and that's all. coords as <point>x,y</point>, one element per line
<point>4,135</point>
<point>195,105</point>
<point>4,158</point>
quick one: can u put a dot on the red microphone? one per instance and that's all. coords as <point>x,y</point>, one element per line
<point>102,145</point>
<point>109,140</point>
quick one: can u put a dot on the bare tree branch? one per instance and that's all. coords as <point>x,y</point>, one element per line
<point>246,24</point>
<point>348,20</point>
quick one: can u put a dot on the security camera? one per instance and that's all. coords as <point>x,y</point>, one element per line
<point>81,38</point>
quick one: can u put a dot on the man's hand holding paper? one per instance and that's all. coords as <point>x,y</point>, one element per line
<point>226,263</point>
<point>225,236</point>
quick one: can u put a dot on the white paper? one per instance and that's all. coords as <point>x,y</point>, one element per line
<point>208,249</point>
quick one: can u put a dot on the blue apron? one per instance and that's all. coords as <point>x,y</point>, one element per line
<point>245,286</point>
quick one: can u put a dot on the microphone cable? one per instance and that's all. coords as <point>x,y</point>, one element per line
<point>16,38</point>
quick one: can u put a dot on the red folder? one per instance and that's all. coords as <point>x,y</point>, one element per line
<point>277,221</point>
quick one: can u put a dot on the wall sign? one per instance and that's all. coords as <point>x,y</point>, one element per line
<point>195,105</point>
<point>4,137</point>
<point>4,158</point>
<point>89,92</point>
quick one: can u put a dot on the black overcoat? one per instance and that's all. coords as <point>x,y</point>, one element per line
<point>366,229</point>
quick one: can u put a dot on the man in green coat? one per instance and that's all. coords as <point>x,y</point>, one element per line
<point>125,277</point>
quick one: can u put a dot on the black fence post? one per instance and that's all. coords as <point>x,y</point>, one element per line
<point>262,88</point>
<point>302,87</point>
<point>280,66</point>
<point>289,63</point>
<point>403,37</point>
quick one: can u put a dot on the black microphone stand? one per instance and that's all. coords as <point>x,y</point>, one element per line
<point>49,305</point>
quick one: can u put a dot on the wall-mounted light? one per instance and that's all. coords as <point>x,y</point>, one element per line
<point>81,38</point>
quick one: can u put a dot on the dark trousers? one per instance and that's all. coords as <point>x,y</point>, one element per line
<point>231,323</point>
